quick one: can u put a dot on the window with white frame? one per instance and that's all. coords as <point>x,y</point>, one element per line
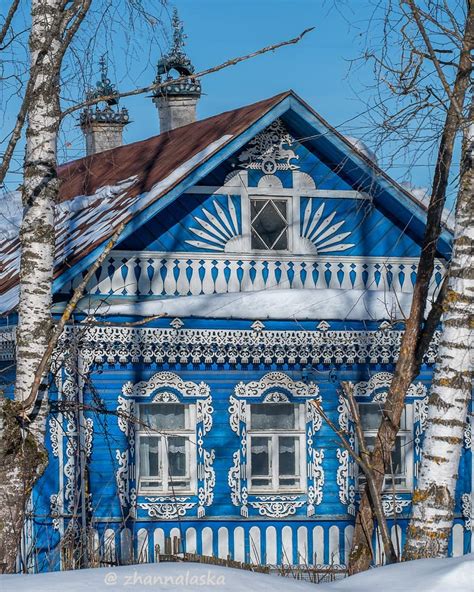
<point>166,454</point>
<point>276,443</point>
<point>400,473</point>
<point>269,224</point>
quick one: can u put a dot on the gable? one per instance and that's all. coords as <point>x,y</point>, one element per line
<point>350,260</point>
<point>134,183</point>
<point>326,213</point>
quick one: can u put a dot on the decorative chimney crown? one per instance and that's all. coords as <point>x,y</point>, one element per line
<point>103,112</point>
<point>176,59</point>
<point>103,124</point>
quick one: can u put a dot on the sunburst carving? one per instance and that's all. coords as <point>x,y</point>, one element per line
<point>320,231</point>
<point>216,230</point>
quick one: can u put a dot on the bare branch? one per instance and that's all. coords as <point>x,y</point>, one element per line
<point>45,363</point>
<point>8,19</point>
<point>163,85</point>
<point>433,56</point>
<point>93,323</point>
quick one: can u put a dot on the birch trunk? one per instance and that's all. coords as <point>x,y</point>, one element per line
<point>414,342</point>
<point>433,501</point>
<point>23,457</point>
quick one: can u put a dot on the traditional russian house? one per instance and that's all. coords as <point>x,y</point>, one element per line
<point>264,259</point>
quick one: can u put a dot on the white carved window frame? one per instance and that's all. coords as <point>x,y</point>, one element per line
<point>166,387</point>
<point>394,501</point>
<point>405,434</point>
<point>292,219</point>
<point>275,387</point>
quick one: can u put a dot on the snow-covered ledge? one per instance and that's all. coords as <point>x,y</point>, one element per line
<point>362,305</point>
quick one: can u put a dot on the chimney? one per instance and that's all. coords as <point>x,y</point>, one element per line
<point>176,103</point>
<point>103,125</point>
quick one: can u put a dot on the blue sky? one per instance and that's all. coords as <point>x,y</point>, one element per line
<point>318,68</point>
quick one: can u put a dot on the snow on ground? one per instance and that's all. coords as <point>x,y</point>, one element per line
<point>427,575</point>
<point>268,304</point>
<point>180,577</point>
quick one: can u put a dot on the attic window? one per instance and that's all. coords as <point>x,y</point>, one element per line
<point>269,224</point>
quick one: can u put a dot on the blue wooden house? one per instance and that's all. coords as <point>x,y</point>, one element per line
<point>264,259</point>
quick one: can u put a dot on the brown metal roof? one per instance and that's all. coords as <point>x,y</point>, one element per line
<point>155,158</point>
<point>148,162</point>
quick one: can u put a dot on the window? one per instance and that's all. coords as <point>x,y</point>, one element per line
<point>165,458</point>
<point>277,449</point>
<point>269,224</point>
<point>399,475</point>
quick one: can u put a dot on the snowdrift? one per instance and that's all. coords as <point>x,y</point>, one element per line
<point>428,575</point>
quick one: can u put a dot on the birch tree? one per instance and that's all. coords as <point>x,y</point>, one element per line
<point>53,26</point>
<point>419,28</point>
<point>433,500</point>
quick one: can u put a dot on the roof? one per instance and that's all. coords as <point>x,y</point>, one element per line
<point>131,183</point>
<point>119,183</point>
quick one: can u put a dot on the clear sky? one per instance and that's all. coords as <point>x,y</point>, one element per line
<point>318,68</point>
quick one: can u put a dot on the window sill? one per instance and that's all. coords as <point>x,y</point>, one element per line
<point>172,494</point>
<point>278,492</point>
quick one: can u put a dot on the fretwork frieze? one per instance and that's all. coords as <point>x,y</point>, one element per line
<point>228,346</point>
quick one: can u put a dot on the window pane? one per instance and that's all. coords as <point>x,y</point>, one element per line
<point>177,456</point>
<point>370,415</point>
<point>260,456</point>
<point>163,416</point>
<point>396,474</point>
<point>149,457</point>
<point>273,416</point>
<point>269,224</point>
<point>281,243</point>
<point>288,455</point>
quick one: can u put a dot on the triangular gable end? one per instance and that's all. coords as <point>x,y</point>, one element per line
<point>392,200</point>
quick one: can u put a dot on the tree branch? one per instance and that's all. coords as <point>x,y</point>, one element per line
<point>8,20</point>
<point>45,363</point>
<point>163,85</point>
<point>433,56</point>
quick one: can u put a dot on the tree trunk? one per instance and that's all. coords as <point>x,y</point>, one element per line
<point>23,456</point>
<point>433,501</point>
<point>411,354</point>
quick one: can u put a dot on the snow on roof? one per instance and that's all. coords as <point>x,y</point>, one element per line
<point>362,147</point>
<point>425,575</point>
<point>423,195</point>
<point>268,304</point>
<point>98,192</point>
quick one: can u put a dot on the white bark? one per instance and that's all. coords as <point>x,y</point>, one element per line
<point>433,500</point>
<point>22,454</point>
<point>40,190</point>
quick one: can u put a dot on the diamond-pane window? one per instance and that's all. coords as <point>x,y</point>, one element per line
<point>269,224</point>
